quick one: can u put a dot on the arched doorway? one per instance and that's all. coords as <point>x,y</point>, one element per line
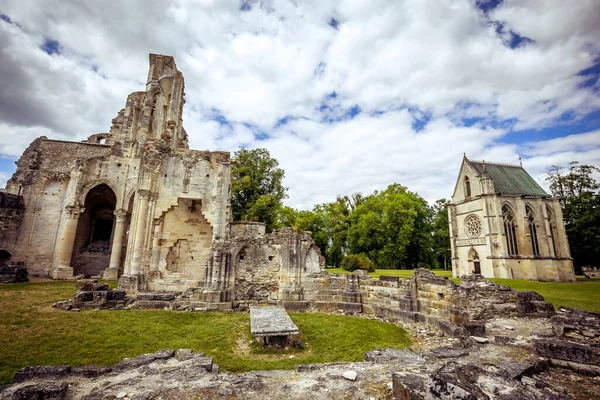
<point>474,262</point>
<point>93,240</point>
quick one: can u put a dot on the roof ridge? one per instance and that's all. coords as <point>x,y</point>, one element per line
<point>495,163</point>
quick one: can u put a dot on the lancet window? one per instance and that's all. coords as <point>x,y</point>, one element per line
<point>510,231</point>
<point>535,247</point>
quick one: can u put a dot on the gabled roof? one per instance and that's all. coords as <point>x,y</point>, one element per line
<point>508,178</point>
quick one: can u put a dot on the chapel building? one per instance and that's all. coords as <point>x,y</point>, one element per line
<point>504,225</point>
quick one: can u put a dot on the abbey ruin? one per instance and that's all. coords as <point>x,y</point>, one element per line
<point>137,204</point>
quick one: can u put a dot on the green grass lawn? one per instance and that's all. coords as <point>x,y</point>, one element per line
<point>33,333</point>
<point>402,273</point>
<point>583,294</point>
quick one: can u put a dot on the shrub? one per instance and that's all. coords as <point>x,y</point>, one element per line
<point>358,261</point>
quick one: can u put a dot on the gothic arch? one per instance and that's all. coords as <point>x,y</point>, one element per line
<point>532,228</point>
<point>93,184</point>
<point>474,261</point>
<point>510,229</point>
<point>467,187</point>
<point>552,229</point>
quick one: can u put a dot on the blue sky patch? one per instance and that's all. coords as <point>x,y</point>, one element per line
<point>591,74</point>
<point>334,23</point>
<point>5,18</point>
<point>51,46</point>
<point>565,126</point>
<point>245,5</point>
<point>487,5</point>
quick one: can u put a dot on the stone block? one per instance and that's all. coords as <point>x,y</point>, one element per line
<point>474,328</point>
<point>100,298</point>
<point>350,307</point>
<point>116,295</point>
<point>409,386</point>
<point>451,330</point>
<point>42,391</point>
<point>83,296</point>
<point>43,371</point>
<point>567,351</point>
<point>162,296</point>
<point>219,306</point>
<point>295,306</point>
<point>153,304</point>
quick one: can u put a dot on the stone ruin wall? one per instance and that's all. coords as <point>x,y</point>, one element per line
<point>457,310</point>
<point>426,298</point>
<point>46,181</point>
<point>12,210</point>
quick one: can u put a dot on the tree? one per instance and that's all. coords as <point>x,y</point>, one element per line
<point>257,188</point>
<point>441,232</point>
<point>392,228</point>
<point>580,202</point>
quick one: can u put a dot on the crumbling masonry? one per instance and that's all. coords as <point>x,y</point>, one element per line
<point>137,204</point>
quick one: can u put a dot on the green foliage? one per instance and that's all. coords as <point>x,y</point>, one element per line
<point>33,333</point>
<point>580,202</point>
<point>392,228</point>
<point>440,234</point>
<point>358,261</point>
<point>257,188</point>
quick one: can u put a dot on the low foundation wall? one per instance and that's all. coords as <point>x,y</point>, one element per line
<point>425,297</point>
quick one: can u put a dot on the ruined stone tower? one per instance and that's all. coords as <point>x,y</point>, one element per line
<point>137,204</point>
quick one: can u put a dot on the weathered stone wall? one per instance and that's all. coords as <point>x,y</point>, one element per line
<point>424,297</point>
<point>12,210</point>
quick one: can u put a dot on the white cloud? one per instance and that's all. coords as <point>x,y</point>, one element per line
<point>442,61</point>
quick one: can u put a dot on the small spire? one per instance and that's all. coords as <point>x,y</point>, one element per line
<point>484,165</point>
<point>520,161</point>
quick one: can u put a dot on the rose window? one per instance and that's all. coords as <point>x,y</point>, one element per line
<point>473,226</point>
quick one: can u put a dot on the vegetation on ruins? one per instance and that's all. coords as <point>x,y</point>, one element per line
<point>257,188</point>
<point>580,202</point>
<point>33,333</point>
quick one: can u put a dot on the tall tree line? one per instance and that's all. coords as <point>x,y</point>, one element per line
<point>394,228</point>
<point>579,195</point>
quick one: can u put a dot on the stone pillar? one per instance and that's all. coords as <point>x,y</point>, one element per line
<point>112,272</point>
<point>63,268</point>
<point>140,234</point>
<point>156,247</point>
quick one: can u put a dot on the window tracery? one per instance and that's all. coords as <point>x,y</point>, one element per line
<point>473,226</point>
<point>510,231</point>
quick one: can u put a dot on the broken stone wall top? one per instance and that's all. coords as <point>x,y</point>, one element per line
<point>247,230</point>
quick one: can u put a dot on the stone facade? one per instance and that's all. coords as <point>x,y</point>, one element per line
<point>504,225</point>
<point>137,204</point>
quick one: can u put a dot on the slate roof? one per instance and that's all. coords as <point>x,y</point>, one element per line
<point>509,179</point>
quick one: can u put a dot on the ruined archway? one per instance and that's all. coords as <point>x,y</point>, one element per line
<point>93,240</point>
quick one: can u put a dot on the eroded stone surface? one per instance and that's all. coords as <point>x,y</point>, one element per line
<point>271,321</point>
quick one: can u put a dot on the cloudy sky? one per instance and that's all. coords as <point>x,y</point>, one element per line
<point>347,95</point>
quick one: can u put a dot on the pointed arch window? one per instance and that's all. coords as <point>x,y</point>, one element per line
<point>552,231</point>
<point>510,231</point>
<point>474,258</point>
<point>467,187</point>
<point>535,247</point>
